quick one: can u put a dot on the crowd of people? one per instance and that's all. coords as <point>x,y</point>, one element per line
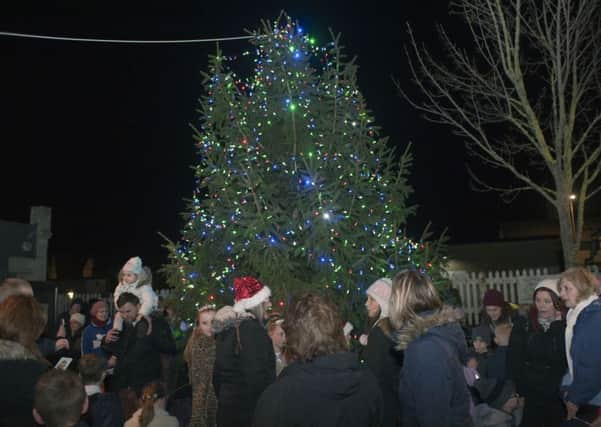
<point>415,364</point>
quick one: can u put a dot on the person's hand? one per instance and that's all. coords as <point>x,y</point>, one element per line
<point>60,344</point>
<point>521,402</point>
<point>112,335</point>
<point>511,405</point>
<point>111,362</point>
<point>571,409</point>
<point>472,363</point>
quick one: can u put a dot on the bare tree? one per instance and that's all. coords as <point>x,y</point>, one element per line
<point>525,96</point>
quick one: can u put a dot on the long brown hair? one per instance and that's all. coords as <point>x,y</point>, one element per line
<point>151,393</point>
<point>22,320</point>
<point>193,340</point>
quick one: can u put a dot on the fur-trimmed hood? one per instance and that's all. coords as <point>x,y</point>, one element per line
<point>442,323</point>
<point>227,318</point>
<point>12,350</point>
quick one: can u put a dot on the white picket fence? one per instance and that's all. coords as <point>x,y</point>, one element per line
<point>517,287</point>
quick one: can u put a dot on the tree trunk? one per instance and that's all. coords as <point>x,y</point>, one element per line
<point>565,213</point>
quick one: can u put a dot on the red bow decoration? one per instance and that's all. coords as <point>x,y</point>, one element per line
<point>246,287</point>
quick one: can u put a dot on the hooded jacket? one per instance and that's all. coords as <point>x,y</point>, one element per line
<point>329,391</point>
<point>244,365</point>
<point>433,391</point>
<point>19,370</point>
<point>586,352</point>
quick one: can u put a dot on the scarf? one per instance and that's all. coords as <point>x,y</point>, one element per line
<point>571,319</point>
<point>545,323</point>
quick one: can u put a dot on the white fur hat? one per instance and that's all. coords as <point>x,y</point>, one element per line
<point>548,284</point>
<point>79,318</point>
<point>380,290</point>
<point>133,265</point>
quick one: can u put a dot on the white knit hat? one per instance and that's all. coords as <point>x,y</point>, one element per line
<point>133,265</point>
<point>79,318</point>
<point>548,284</point>
<point>380,290</point>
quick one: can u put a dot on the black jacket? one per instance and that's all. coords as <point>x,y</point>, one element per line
<point>537,360</point>
<point>19,372</point>
<point>385,363</point>
<point>104,410</point>
<point>244,366</point>
<point>138,354</point>
<point>329,391</point>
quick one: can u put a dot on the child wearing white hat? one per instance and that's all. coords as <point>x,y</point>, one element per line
<point>136,279</point>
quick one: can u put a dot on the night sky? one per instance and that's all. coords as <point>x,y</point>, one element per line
<point>100,132</point>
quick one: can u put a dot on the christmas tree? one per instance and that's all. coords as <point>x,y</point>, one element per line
<point>294,184</point>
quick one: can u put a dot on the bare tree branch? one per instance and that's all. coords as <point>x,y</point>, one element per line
<point>525,95</point>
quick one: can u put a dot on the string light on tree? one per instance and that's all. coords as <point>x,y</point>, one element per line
<point>294,185</point>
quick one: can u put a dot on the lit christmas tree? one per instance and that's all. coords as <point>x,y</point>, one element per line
<point>294,184</point>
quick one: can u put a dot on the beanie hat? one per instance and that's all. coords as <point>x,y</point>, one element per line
<point>493,297</point>
<point>380,290</point>
<point>481,333</point>
<point>79,318</point>
<point>549,285</point>
<point>249,293</point>
<point>133,265</point>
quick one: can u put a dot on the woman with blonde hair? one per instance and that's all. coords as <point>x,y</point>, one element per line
<point>578,289</point>
<point>432,391</point>
<point>199,355</point>
<point>152,411</point>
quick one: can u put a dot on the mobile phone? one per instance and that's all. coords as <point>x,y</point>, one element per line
<point>63,363</point>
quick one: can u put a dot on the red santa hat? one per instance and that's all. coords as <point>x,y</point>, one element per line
<point>249,293</point>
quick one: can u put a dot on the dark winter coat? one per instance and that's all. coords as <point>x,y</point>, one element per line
<point>19,372</point>
<point>244,366</point>
<point>385,363</point>
<point>586,355</point>
<point>433,391</point>
<point>138,354</point>
<point>329,391</point>
<point>537,360</point>
<point>104,410</point>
